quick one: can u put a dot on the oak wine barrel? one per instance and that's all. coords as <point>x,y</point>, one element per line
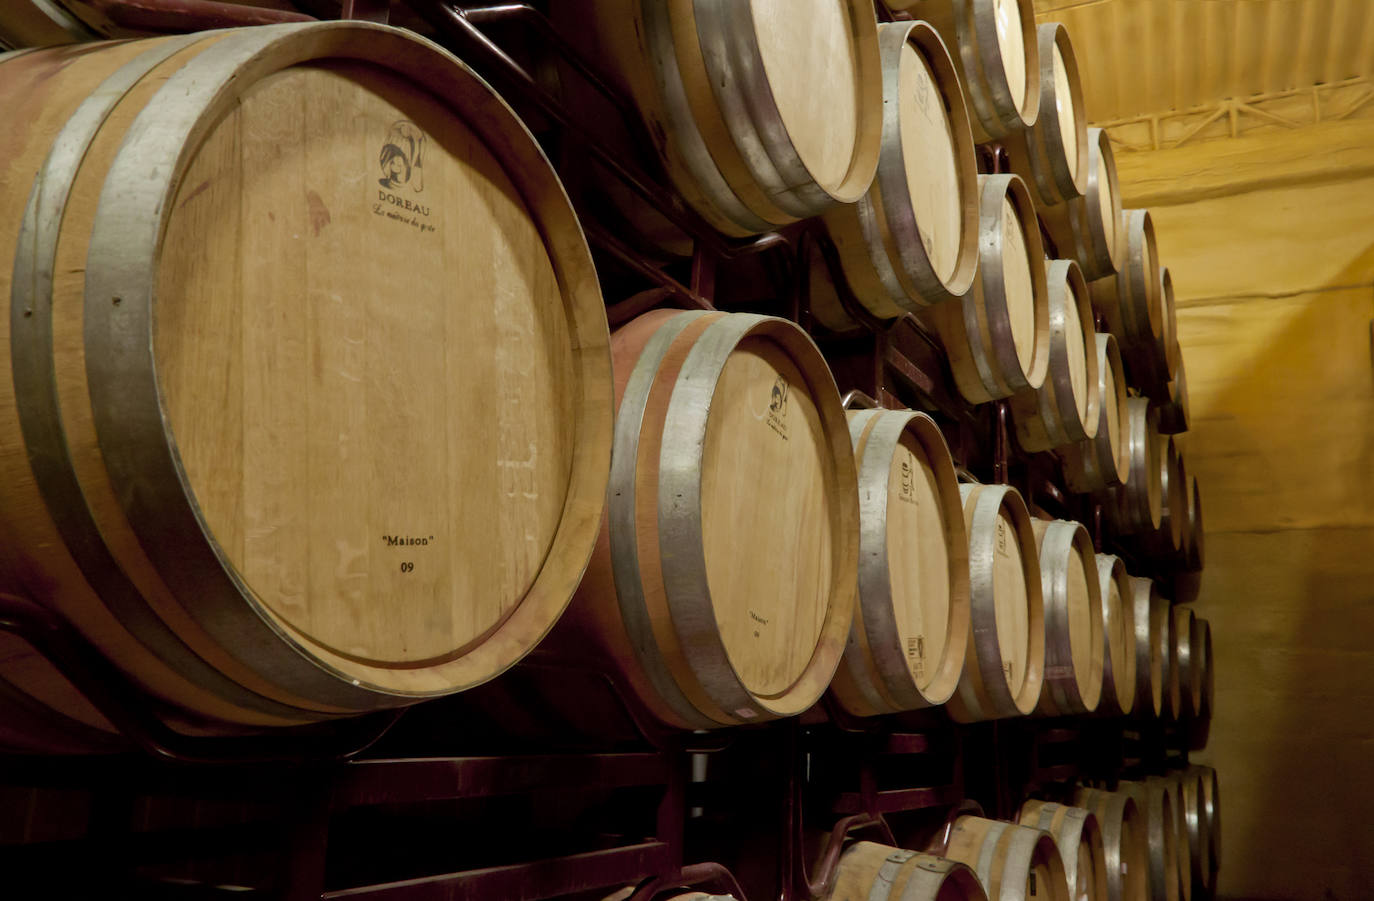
<point>1201,724</point>
<point>1051,156</point>
<point>1152,647</point>
<point>871,872</point>
<point>1211,808</point>
<point>763,112</point>
<point>1138,506</point>
<point>1162,843</point>
<point>1125,841</point>
<point>1014,863</point>
<point>1168,543</point>
<point>912,239</point>
<point>998,59</point>
<point>1132,303</point>
<point>822,292</point>
<point>1170,350</point>
<point>1200,872</point>
<point>1079,839</point>
<point>722,586</point>
<point>1064,410</point>
<point>1187,662</point>
<point>47,23</point>
<point>1182,855</point>
<point>1089,228</point>
<point>273,492</point>
<point>996,336</point>
<point>1187,570</point>
<point>1118,616</point>
<point>1104,460</point>
<point>1074,628</point>
<point>1005,659</point>
<point>1172,702</point>
<point>911,624</point>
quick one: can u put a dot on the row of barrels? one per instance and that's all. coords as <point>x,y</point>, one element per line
<point>1153,840</point>
<point>317,417</point>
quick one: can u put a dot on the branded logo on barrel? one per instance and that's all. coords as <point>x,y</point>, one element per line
<point>402,179</point>
<point>908,485</point>
<point>777,407</point>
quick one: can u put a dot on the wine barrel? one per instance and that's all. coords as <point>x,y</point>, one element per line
<point>1014,863</point>
<point>1211,809</point>
<point>822,291</point>
<point>47,23</point>
<point>912,239</point>
<point>628,891</point>
<point>36,23</point>
<point>1138,505</point>
<point>1005,659</point>
<point>1118,616</point>
<point>1200,727</point>
<point>1079,839</point>
<point>871,872</point>
<point>1089,228</point>
<point>1064,410</point>
<point>355,526</point>
<point>1152,648</point>
<point>1161,828</point>
<point>1074,628</point>
<point>1051,156</point>
<point>1187,662</point>
<point>1125,841</point>
<point>1195,533</point>
<point>763,112</point>
<point>1200,872</point>
<point>727,427</point>
<point>1182,857</point>
<point>911,625</point>
<point>997,336</point>
<point>1187,569</point>
<point>1132,303</point>
<point>998,59</point>
<point>1167,544</point>
<point>1104,460</point>
<point>1173,411</point>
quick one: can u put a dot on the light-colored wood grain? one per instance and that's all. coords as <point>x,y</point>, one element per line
<point>930,151</point>
<point>1156,801</point>
<point>1012,601</point>
<point>1118,616</point>
<point>809,52</point>
<point>1011,43</point>
<point>1065,409</point>
<point>764,481</point>
<point>1019,287</point>
<point>1074,629</point>
<point>1103,461</point>
<point>997,54</point>
<point>1068,113</point>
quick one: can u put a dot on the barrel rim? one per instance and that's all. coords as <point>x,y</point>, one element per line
<point>1060,183</point>
<point>144,463</point>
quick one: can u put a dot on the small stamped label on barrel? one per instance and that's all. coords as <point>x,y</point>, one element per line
<point>907,485</point>
<point>916,655</point>
<point>777,407</point>
<point>1002,536</point>
<point>410,543</point>
<point>402,182</point>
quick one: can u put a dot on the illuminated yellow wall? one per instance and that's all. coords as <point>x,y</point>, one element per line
<point>1270,239</point>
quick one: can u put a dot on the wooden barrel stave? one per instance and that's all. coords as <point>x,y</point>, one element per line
<point>1151,648</point>
<point>911,240</point>
<point>1125,841</point>
<point>1004,664</point>
<point>1074,628</point>
<point>911,624</point>
<point>996,337</point>
<point>1103,461</point>
<point>871,872</point>
<point>1118,616</point>
<point>1064,410</point>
